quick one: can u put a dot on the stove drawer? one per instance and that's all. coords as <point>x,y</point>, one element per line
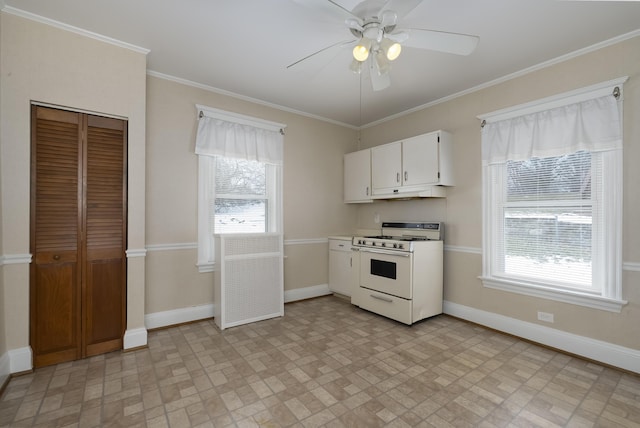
<point>386,305</point>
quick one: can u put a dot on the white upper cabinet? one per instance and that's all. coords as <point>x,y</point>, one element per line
<point>357,176</point>
<point>414,167</point>
<point>419,165</point>
<point>386,166</point>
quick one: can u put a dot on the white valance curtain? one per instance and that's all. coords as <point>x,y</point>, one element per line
<point>595,126</point>
<point>217,137</point>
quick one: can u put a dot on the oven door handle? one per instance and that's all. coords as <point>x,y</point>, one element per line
<point>389,253</point>
<point>384,299</point>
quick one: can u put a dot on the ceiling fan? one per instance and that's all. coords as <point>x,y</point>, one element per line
<point>378,40</point>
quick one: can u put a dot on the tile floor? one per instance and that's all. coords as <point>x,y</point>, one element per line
<point>326,363</point>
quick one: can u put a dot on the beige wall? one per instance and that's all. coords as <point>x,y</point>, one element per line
<point>462,209</point>
<point>41,63</point>
<point>312,184</point>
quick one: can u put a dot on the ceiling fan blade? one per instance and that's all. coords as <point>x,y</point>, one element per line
<point>378,81</point>
<point>455,43</point>
<point>398,37</point>
<point>324,52</point>
<point>328,7</point>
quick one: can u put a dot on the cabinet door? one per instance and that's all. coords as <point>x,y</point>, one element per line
<point>420,160</point>
<point>340,266</point>
<point>357,176</point>
<point>386,167</point>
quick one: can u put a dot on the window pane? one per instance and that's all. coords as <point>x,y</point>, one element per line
<point>562,177</point>
<point>240,215</point>
<point>553,244</point>
<point>240,177</point>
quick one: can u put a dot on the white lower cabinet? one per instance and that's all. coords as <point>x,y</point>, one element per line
<point>341,266</point>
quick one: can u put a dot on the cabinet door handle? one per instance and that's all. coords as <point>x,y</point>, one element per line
<point>384,299</point>
<point>406,176</point>
<point>350,261</point>
<point>56,257</point>
<point>367,190</point>
<point>397,177</point>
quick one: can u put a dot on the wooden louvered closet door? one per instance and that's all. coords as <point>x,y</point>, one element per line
<point>78,232</point>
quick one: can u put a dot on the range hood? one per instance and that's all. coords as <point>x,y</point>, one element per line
<point>424,192</point>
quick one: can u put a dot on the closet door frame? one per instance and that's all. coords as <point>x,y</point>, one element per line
<point>76,345</point>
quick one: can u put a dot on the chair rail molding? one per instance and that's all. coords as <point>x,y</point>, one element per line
<point>15,259</point>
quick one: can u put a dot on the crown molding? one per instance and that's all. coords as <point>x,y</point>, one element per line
<point>511,76</point>
<point>60,25</point>
<point>244,98</point>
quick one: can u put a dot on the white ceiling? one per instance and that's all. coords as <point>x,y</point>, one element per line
<point>244,46</point>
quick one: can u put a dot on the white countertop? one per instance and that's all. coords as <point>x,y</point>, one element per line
<point>341,237</point>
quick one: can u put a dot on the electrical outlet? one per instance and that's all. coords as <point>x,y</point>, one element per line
<point>545,316</point>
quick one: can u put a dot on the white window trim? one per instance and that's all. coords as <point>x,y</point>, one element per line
<point>612,304</point>
<point>566,98</point>
<point>242,119</point>
<point>566,296</point>
<point>204,254</point>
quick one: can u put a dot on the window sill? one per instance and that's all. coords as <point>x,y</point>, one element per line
<point>205,267</point>
<point>572,297</point>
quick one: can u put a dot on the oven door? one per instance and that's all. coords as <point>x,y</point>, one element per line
<point>386,271</point>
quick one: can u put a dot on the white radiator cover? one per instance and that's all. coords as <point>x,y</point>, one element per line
<point>249,278</point>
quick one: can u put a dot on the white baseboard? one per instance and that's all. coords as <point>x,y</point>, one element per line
<point>178,316</point>
<point>5,368</point>
<point>605,352</point>
<point>195,313</point>
<point>306,292</point>
<point>20,360</point>
<point>135,338</point>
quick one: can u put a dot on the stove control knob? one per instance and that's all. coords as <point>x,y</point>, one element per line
<point>395,245</point>
<point>383,244</point>
<point>373,243</point>
<point>401,246</point>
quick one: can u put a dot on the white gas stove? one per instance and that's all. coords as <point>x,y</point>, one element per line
<point>402,236</point>
<point>400,274</point>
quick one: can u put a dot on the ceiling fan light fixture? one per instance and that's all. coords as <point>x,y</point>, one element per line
<point>356,66</point>
<point>391,49</point>
<point>382,63</point>
<point>361,51</point>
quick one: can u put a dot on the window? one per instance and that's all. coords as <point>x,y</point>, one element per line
<point>552,194</point>
<point>239,184</point>
<point>241,195</point>
<point>240,203</point>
